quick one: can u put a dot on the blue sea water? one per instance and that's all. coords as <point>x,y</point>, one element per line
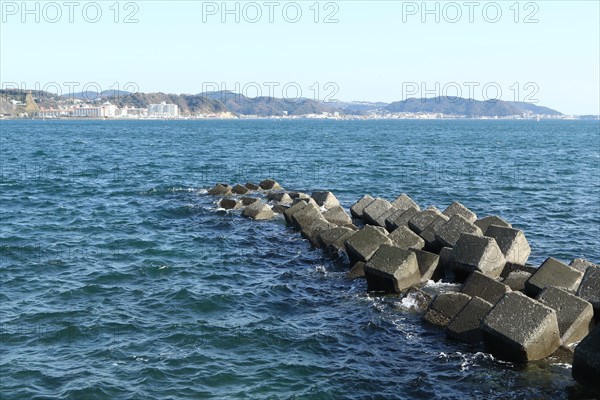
<point>120,279</point>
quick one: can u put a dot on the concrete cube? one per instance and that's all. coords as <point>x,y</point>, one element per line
<point>400,218</point>
<point>280,198</point>
<point>582,264</point>
<point>357,271</point>
<point>422,219</point>
<point>375,210</point>
<point>477,253</point>
<point>220,190</point>
<point>428,235</point>
<point>458,209</point>
<point>314,229</point>
<point>586,361</point>
<point>477,284</point>
<point>448,234</point>
<point>251,186</point>
<point>403,202</point>
<point>484,223</point>
<point>516,280</point>
<point>392,270</point>
<point>406,239</point>
<point>575,316</point>
<point>415,300</point>
<point>589,289</point>
<point>429,265</point>
<point>520,329</point>
<point>326,200</point>
<point>466,325</point>
<point>364,243</point>
<point>289,213</point>
<point>512,242</point>
<point>509,267</point>
<point>258,211</point>
<point>553,273</point>
<point>269,184</point>
<point>336,215</point>
<point>332,240</point>
<point>306,216</point>
<point>444,307</point>
<point>246,201</point>
<point>230,204</point>
<point>279,208</point>
<point>357,208</point>
<point>240,189</point>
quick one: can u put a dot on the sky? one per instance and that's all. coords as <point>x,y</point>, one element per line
<point>543,52</point>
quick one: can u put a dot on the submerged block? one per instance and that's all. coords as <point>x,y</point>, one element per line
<point>251,186</point>
<point>575,316</point>
<point>230,204</point>
<point>220,190</point>
<point>364,243</point>
<point>520,329</point>
<point>357,271</point>
<point>553,273</point>
<point>444,307</point>
<point>392,270</point>
<point>357,208</point>
<point>269,184</point>
<point>239,189</point>
<point>466,325</point>
<point>512,242</point>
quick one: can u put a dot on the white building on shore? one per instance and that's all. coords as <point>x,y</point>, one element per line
<point>163,110</point>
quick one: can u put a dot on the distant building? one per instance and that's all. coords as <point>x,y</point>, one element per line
<point>163,110</point>
<point>106,110</point>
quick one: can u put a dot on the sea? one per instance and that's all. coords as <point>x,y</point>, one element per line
<point>120,278</point>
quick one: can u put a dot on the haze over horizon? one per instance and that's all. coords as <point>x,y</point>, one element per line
<point>540,52</point>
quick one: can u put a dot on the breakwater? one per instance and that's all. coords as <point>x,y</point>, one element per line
<point>515,311</point>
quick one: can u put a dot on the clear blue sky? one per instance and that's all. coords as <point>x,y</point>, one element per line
<point>376,51</point>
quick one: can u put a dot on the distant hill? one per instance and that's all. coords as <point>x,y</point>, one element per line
<point>188,104</point>
<point>466,107</point>
<point>91,95</point>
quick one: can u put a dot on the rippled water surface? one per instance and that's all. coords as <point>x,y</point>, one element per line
<point>121,279</point>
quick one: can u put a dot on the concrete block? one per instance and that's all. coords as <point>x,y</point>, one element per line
<point>258,211</point>
<point>251,186</point>
<point>332,240</point>
<point>269,184</point>
<point>240,189</point>
<point>448,234</point>
<point>444,307</point>
<point>429,266</point>
<point>477,284</point>
<point>553,273</point>
<point>520,329</point>
<point>220,190</point>
<point>230,204</point>
<point>336,215</point>
<point>280,198</point>
<point>314,229</point>
<point>589,289</point>
<point>306,216</point>
<point>364,243</point>
<point>422,219</point>
<point>477,253</point>
<point>289,213</point>
<point>458,209</point>
<point>357,208</point>
<point>575,316</point>
<point>392,270</point>
<point>375,210</point>
<point>484,223</point>
<point>357,271</point>
<point>516,280</point>
<point>406,239</point>
<point>586,361</point>
<point>466,325</point>
<point>428,235</point>
<point>403,203</point>
<point>326,200</point>
<point>246,201</point>
<point>400,218</point>
<point>582,264</point>
<point>512,242</point>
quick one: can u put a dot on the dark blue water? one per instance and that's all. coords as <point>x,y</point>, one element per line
<point>121,280</point>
